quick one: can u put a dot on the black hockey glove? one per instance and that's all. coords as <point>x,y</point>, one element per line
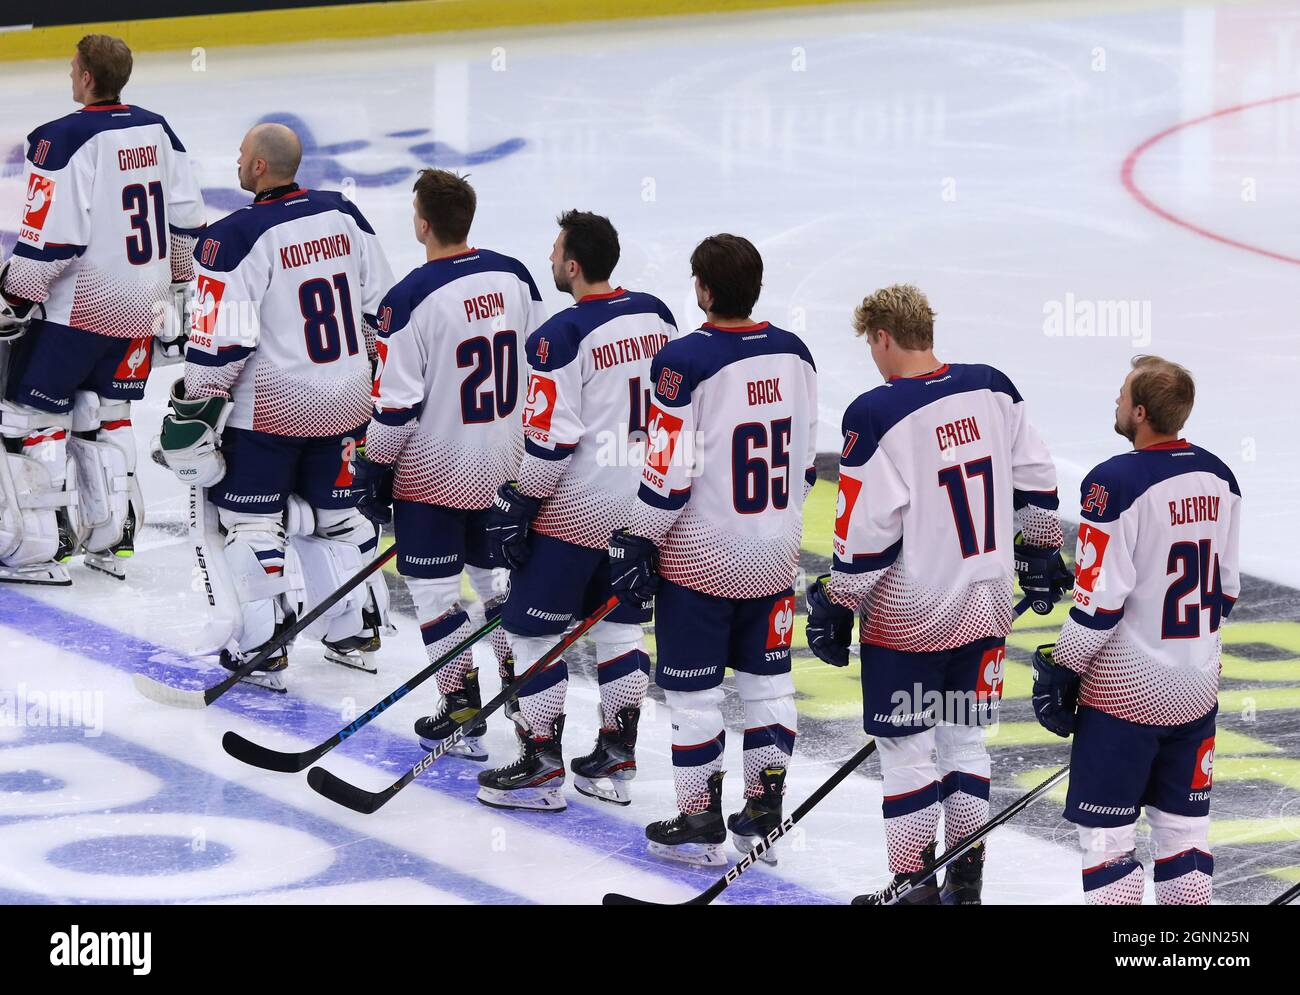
<point>1044,577</point>
<point>830,626</point>
<point>375,482</point>
<point>508,522</point>
<point>633,568</point>
<point>1056,692</point>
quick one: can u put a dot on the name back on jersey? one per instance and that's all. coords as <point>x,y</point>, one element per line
<point>732,444</point>
<point>1155,575</point>
<point>279,323</point>
<point>931,472</point>
<point>450,385</point>
<point>584,415</point>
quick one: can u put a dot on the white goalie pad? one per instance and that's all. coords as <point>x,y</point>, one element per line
<point>29,530</point>
<point>212,576</point>
<point>103,491</point>
<point>315,568</point>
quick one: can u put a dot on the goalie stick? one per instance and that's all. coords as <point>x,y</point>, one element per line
<point>763,845</point>
<point>360,800</point>
<point>167,695</point>
<point>291,763</point>
<point>894,892</point>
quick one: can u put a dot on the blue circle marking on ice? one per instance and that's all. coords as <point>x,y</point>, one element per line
<point>29,782</point>
<point>138,854</point>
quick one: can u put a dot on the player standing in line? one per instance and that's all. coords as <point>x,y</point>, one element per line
<point>936,464</point>
<point>584,449</point>
<point>1139,654</point>
<point>716,532</point>
<point>276,397</point>
<point>106,241</point>
<point>445,432</point>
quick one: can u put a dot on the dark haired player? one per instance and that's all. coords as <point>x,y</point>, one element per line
<point>445,431</point>
<point>584,447</point>
<point>714,538</point>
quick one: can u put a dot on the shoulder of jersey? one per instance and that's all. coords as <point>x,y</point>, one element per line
<point>882,407</point>
<point>1127,476</point>
<point>237,233</point>
<point>702,352</point>
<point>428,278</point>
<point>64,136</point>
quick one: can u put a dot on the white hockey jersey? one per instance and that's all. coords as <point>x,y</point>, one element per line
<point>733,428</point>
<point>1155,576</point>
<point>585,412</point>
<point>450,379</point>
<point>933,472</point>
<point>109,222</point>
<point>279,323</point>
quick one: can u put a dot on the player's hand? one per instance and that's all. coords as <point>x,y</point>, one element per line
<point>633,568</point>
<point>508,522</point>
<point>1043,575</point>
<point>1056,692</point>
<point>830,626</point>
<point>375,482</point>
<point>16,313</point>
<point>190,442</point>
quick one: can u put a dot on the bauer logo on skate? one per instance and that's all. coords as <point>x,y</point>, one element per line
<point>539,406</point>
<point>40,195</point>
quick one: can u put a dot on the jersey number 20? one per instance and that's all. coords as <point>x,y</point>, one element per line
<point>497,359</point>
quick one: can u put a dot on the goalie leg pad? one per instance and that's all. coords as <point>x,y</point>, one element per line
<point>254,555</point>
<point>29,531</point>
<point>351,540</point>
<point>104,491</point>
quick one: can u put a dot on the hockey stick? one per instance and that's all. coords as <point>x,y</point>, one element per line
<point>168,695</point>
<point>350,796</point>
<point>291,763</point>
<point>763,845</point>
<point>895,892</point>
<point>1288,896</point>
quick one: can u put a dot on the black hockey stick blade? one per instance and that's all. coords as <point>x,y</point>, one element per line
<point>291,763</point>
<point>168,695</point>
<point>1288,896</point>
<point>360,800</point>
<point>348,795</point>
<point>763,845</point>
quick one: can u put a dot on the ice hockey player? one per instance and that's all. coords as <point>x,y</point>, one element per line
<point>445,432</point>
<point>276,396</point>
<point>584,448</point>
<point>104,244</point>
<point>936,464</point>
<point>714,537</point>
<point>1135,670</point>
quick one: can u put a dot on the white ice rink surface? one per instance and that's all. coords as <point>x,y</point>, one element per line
<point>1007,160</point>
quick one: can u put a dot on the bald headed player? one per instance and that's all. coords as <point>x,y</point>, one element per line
<point>275,398</point>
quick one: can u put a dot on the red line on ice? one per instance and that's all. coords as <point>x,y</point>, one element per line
<point>1130,164</point>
